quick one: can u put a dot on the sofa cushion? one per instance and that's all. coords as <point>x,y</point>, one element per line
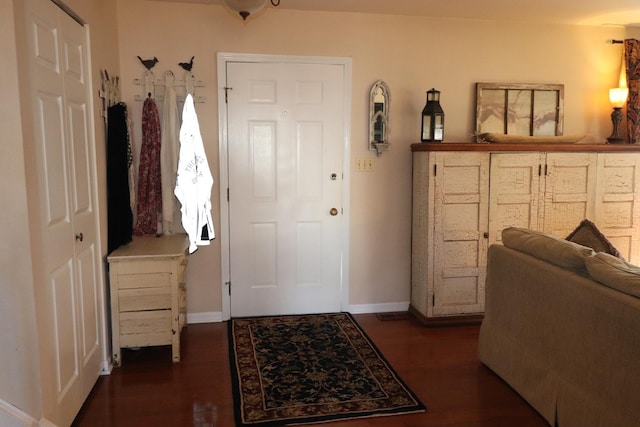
<point>547,247</point>
<point>615,273</point>
<point>588,234</point>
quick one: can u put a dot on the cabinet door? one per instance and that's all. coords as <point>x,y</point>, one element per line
<point>461,192</point>
<point>570,184</point>
<point>515,193</point>
<point>422,232</point>
<point>617,201</point>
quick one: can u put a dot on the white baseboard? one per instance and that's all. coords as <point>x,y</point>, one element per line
<point>216,316</point>
<point>378,308</point>
<point>107,367</point>
<point>205,317</point>
<point>12,416</point>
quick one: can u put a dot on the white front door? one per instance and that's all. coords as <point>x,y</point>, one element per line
<point>286,135</point>
<point>70,295</point>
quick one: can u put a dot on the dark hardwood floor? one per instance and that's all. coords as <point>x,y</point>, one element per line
<point>439,364</point>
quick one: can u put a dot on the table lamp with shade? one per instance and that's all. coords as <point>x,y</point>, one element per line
<point>618,97</point>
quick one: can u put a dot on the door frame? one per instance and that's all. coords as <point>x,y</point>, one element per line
<point>223,59</point>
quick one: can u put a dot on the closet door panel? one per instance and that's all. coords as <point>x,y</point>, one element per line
<point>69,293</point>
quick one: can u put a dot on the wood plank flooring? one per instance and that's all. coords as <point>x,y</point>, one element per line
<point>439,364</point>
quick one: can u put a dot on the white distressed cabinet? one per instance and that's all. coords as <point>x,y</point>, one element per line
<point>617,206</point>
<point>148,294</point>
<point>464,195</point>
<point>550,192</point>
<point>449,245</point>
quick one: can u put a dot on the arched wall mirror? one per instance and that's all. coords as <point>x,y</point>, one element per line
<point>379,131</point>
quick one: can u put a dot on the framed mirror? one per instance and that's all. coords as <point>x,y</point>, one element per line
<point>519,109</point>
<point>379,131</point>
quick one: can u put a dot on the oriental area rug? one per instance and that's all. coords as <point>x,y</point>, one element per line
<point>302,369</point>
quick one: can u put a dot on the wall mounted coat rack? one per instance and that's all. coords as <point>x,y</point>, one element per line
<point>109,91</point>
<point>151,84</point>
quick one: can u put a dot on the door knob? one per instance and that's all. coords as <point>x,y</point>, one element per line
<point>333,211</point>
<point>79,237</point>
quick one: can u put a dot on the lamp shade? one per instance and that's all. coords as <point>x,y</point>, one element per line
<point>618,96</point>
<point>245,7</point>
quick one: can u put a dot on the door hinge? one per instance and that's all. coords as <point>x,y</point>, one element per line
<point>226,94</point>
<point>435,170</point>
<point>227,194</point>
<point>433,300</point>
<point>228,286</point>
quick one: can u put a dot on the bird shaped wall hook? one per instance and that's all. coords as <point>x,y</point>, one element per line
<point>187,66</point>
<point>148,63</point>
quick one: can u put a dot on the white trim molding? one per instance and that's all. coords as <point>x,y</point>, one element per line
<point>387,307</point>
<point>206,317</point>
<point>16,415</point>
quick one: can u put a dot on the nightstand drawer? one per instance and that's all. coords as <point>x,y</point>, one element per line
<point>146,340</point>
<point>142,322</point>
<point>142,299</point>
<point>144,280</point>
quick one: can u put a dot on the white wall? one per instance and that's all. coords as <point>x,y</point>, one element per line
<point>412,54</point>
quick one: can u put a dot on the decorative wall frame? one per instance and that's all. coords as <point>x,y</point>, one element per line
<point>379,117</point>
<point>519,109</point>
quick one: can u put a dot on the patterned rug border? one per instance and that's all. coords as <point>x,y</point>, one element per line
<point>235,383</point>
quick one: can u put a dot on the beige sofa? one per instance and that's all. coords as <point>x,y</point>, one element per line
<point>568,344</point>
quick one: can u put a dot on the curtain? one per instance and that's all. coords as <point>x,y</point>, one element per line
<point>632,63</point>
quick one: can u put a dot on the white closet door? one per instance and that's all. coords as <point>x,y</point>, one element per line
<point>69,294</point>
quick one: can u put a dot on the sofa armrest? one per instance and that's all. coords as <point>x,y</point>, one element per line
<point>569,345</point>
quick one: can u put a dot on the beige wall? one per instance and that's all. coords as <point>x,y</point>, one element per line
<point>19,379</point>
<point>412,54</point>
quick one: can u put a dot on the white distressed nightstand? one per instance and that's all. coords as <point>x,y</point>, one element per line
<point>148,293</point>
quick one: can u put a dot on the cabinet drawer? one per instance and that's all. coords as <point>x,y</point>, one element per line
<point>142,266</point>
<point>144,280</point>
<point>139,322</point>
<point>145,340</point>
<point>144,299</point>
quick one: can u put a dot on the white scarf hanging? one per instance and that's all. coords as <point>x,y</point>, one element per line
<point>169,150</point>
<point>194,181</point>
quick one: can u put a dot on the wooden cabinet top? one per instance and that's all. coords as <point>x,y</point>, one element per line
<point>493,147</point>
<point>151,247</point>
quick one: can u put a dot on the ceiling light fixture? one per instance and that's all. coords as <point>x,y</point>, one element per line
<point>246,7</point>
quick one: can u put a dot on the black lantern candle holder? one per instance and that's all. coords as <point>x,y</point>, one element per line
<point>432,118</point>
